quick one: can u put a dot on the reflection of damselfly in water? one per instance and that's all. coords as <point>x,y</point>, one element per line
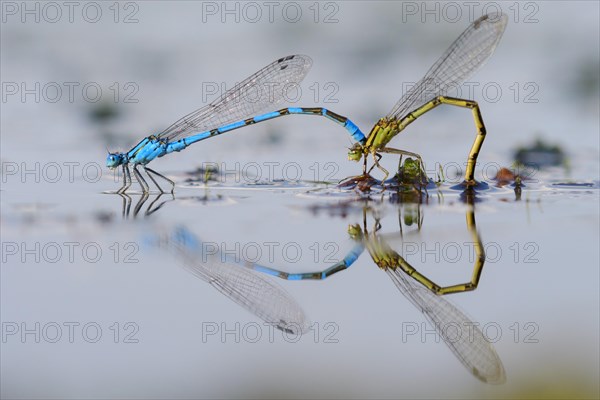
<point>459,333</point>
<point>389,260</point>
<point>153,206</point>
<point>251,290</point>
<point>157,202</point>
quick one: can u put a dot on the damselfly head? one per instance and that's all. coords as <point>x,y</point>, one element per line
<point>355,152</point>
<point>355,231</point>
<point>113,160</point>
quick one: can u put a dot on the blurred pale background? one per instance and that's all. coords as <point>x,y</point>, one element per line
<point>541,82</point>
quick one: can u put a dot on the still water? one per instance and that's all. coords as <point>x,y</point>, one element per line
<point>114,296</point>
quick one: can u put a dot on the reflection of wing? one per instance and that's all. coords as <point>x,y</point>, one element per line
<point>469,52</point>
<point>460,334</point>
<point>260,91</point>
<point>263,298</point>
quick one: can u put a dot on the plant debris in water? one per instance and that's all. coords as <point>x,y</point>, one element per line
<point>506,176</point>
<point>408,178</point>
<point>203,174</point>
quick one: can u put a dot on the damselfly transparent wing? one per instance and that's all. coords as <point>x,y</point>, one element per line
<point>263,298</point>
<point>469,52</point>
<point>456,329</point>
<point>259,92</point>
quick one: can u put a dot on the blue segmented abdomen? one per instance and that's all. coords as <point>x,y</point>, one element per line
<point>355,132</point>
<point>350,126</point>
<point>264,117</point>
<point>183,143</point>
<point>231,127</point>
